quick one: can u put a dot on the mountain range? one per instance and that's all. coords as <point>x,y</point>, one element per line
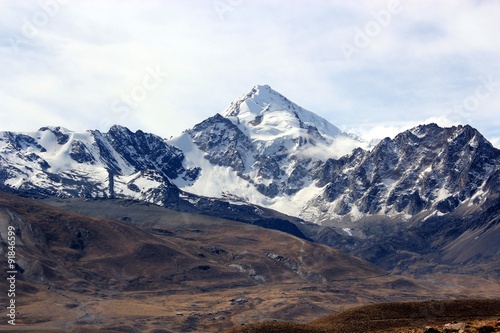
<point>428,192</point>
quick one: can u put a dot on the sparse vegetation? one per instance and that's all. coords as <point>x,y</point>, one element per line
<point>415,317</point>
<point>127,276</point>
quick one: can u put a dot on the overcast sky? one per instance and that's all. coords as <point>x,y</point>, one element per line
<point>370,67</point>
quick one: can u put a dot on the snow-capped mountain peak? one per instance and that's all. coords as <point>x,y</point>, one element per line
<point>264,107</point>
<point>265,144</point>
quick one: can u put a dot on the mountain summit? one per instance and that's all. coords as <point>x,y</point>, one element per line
<point>263,147</point>
<point>262,108</point>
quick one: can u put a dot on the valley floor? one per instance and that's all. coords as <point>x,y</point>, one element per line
<point>195,310</point>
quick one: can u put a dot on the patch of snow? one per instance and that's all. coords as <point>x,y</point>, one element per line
<point>388,181</point>
<point>347,231</point>
<point>355,214</point>
<point>442,194</point>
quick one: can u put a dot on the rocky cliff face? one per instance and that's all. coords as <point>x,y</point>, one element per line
<point>56,161</point>
<point>425,169</point>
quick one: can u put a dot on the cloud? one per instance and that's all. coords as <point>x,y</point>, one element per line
<point>88,54</point>
<point>340,147</point>
<point>379,131</point>
<point>495,142</point>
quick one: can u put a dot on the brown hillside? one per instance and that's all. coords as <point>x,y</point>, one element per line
<point>386,317</point>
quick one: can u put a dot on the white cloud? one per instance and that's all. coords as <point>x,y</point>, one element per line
<point>378,131</point>
<point>341,146</point>
<point>495,142</point>
<point>88,54</point>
